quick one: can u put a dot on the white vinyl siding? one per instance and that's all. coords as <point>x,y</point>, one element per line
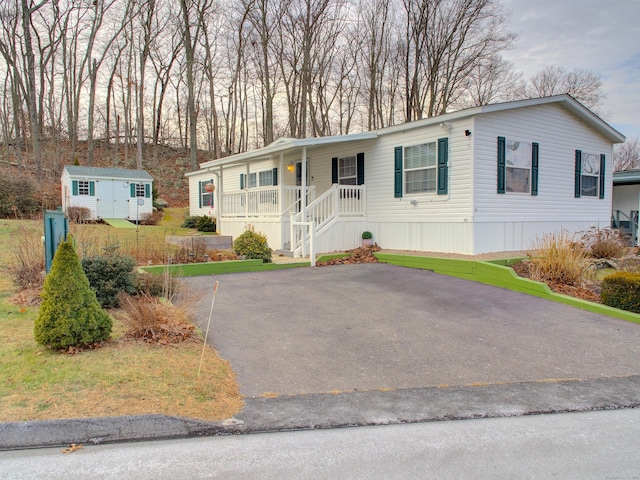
<point>559,134</point>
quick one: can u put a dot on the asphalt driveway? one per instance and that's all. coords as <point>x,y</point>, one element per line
<point>367,327</point>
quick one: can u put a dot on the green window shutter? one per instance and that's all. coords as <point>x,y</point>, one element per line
<point>578,175</point>
<point>443,169</point>
<point>74,187</point>
<point>92,189</point>
<point>275,176</point>
<point>398,187</point>
<point>334,170</point>
<point>535,149</point>
<point>147,190</point>
<point>200,190</point>
<point>242,181</point>
<point>360,168</point>
<point>132,187</point>
<point>602,168</point>
<point>502,164</point>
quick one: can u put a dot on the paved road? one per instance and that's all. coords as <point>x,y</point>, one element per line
<point>594,445</point>
<point>353,328</point>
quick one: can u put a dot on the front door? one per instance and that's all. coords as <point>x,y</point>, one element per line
<point>112,199</point>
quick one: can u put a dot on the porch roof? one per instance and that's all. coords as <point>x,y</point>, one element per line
<point>627,177</point>
<point>283,145</point>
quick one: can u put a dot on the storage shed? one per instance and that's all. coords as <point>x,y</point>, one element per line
<point>107,192</point>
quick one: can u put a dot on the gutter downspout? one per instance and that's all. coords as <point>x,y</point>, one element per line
<point>219,195</point>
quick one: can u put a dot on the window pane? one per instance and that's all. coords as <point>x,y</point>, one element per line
<point>518,154</point>
<point>139,189</point>
<point>420,156</point>
<point>83,188</point>
<point>590,164</point>
<point>419,181</point>
<point>266,178</point>
<point>347,168</point>
<point>589,186</point>
<point>517,180</point>
<point>252,180</point>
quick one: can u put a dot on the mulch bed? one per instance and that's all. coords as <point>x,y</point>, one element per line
<point>588,291</point>
<point>362,254</point>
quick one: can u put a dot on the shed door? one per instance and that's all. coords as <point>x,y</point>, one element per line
<point>112,199</point>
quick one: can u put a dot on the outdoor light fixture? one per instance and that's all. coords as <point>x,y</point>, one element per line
<point>290,167</point>
<point>467,133</point>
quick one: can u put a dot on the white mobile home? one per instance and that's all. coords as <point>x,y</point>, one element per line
<point>484,179</point>
<point>107,192</point>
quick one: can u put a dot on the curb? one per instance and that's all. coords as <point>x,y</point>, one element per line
<point>358,408</point>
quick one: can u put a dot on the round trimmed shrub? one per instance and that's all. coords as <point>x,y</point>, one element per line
<point>622,290</point>
<point>109,275</point>
<point>252,245</point>
<point>206,224</point>
<point>69,314</point>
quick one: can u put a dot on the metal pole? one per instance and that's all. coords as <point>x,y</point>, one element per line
<point>206,334</point>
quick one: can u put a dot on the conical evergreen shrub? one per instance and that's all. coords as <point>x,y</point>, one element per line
<point>69,314</point>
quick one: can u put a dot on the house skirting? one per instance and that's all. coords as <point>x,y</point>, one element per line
<point>468,238</point>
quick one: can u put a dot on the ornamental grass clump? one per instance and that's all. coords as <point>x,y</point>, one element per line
<point>604,243</point>
<point>252,245</point>
<point>69,314</point>
<point>556,258</point>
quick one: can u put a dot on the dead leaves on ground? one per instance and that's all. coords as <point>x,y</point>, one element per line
<point>72,448</point>
<point>363,254</point>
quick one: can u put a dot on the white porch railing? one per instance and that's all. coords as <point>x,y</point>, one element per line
<point>338,201</point>
<point>263,201</point>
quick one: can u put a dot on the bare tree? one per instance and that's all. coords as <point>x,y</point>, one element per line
<point>582,84</point>
<point>626,156</point>
<point>445,41</point>
<point>492,80</point>
<point>374,30</point>
<point>28,9</point>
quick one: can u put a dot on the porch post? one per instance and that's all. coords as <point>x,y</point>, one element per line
<point>220,201</point>
<point>280,179</point>
<point>631,223</point>
<point>246,191</point>
<point>303,185</point>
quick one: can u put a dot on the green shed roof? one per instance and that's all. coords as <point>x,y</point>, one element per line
<point>109,173</point>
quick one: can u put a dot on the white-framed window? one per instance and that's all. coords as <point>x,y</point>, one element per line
<point>348,170</point>
<point>206,197</point>
<point>83,187</point>
<point>518,163</point>
<point>518,166</point>
<point>590,175</point>
<point>420,168</point>
<point>265,178</point>
<point>140,190</point>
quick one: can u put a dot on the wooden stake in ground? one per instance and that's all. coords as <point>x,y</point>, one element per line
<point>206,333</point>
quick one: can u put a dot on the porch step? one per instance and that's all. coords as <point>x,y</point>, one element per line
<point>283,253</point>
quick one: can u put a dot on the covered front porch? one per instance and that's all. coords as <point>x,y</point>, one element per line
<point>272,191</point>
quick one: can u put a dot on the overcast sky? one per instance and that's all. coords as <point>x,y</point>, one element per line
<point>599,35</point>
